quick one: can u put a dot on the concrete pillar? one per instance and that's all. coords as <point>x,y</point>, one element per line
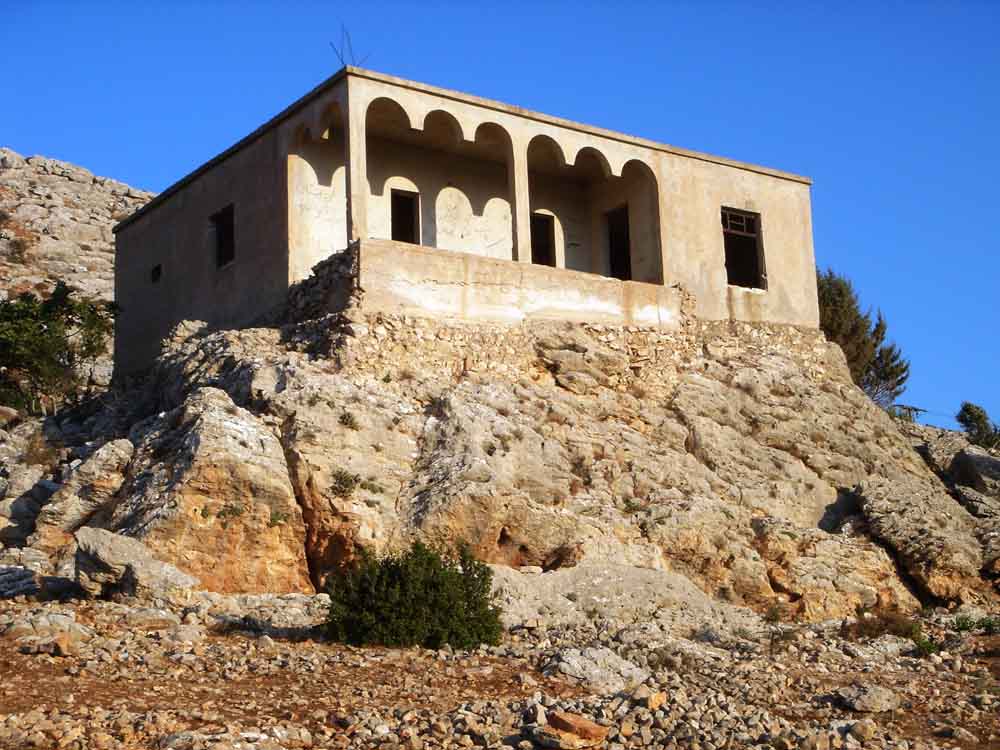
<point>520,200</point>
<point>357,168</point>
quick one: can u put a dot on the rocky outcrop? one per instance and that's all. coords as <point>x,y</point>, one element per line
<point>208,490</point>
<point>55,224</point>
<point>112,565</point>
<point>89,489</point>
<point>740,458</point>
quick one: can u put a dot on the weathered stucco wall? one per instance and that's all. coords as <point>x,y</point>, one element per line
<point>317,204</point>
<point>692,194</point>
<point>401,279</point>
<point>177,237</point>
<point>463,201</point>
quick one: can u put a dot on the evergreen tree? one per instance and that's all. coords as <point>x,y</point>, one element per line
<point>978,427</point>
<point>876,366</point>
<point>45,343</point>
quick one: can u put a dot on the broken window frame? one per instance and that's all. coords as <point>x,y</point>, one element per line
<point>736,222</point>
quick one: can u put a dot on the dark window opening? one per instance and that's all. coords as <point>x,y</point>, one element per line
<point>224,229</point>
<point>405,217</point>
<point>543,240</point>
<point>744,249</point>
<point>619,247</point>
<point>156,274</point>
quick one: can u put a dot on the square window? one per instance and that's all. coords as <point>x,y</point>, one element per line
<point>156,274</point>
<point>744,249</point>
<point>223,226</point>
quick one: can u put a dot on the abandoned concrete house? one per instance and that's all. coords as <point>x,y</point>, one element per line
<point>464,208</point>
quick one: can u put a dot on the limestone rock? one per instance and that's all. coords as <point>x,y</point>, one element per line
<point>978,469</point>
<point>89,489</point>
<point>731,462</point>
<point>110,564</point>
<point>66,214</point>
<point>869,698</point>
<point>934,537</point>
<point>208,490</point>
<point>599,669</point>
<point>568,731</point>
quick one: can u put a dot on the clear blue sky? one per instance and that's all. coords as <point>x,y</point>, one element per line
<point>894,111</point>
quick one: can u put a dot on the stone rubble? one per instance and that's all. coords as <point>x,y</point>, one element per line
<point>221,672</point>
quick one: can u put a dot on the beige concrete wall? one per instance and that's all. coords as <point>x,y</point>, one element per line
<point>258,179</point>
<point>317,204</point>
<point>177,236</point>
<point>463,201</point>
<point>403,279</point>
<point>569,203</point>
<point>692,194</point>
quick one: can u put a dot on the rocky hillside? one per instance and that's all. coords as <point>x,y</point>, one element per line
<point>55,223</point>
<point>732,463</point>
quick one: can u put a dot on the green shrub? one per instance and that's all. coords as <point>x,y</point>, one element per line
<point>348,420</point>
<point>417,597</point>
<point>925,646</point>
<point>343,483</point>
<point>989,625</point>
<point>963,623</point>
<point>45,346</point>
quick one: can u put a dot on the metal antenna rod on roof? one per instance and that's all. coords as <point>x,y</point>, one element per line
<point>345,51</point>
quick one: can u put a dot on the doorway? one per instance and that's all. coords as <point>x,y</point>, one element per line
<point>619,249</point>
<point>543,240</point>
<point>405,216</point>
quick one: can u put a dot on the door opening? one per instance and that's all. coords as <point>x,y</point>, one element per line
<point>405,216</point>
<point>543,240</point>
<point>619,249</point>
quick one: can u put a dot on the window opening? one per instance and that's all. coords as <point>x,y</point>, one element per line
<point>224,229</point>
<point>543,240</point>
<point>744,249</point>
<point>619,247</point>
<point>405,216</point>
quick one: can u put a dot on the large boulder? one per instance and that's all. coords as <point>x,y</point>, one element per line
<point>208,490</point>
<point>110,565</point>
<point>90,488</point>
<point>978,469</point>
<point>933,536</point>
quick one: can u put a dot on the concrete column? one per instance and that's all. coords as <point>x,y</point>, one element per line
<point>520,200</point>
<point>357,168</point>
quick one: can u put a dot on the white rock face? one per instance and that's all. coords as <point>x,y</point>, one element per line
<point>599,669</point>
<point>110,564</point>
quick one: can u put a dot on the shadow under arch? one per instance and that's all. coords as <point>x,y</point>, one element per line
<point>545,153</point>
<point>441,129</point>
<point>385,116</point>
<point>593,162</point>
<point>645,191</point>
<point>322,156</point>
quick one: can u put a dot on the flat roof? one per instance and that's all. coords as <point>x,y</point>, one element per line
<point>351,70</point>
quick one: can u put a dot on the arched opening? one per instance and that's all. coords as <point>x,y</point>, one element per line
<point>317,193</point>
<point>430,186</point>
<point>605,224</point>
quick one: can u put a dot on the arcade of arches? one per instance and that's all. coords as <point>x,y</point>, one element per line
<point>436,186</point>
